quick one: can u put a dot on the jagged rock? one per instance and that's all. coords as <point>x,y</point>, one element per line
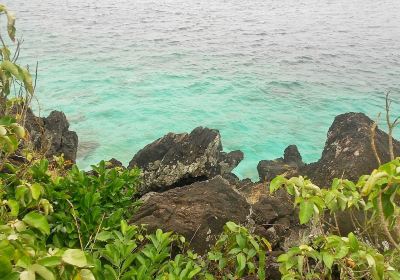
<point>288,165</point>
<point>348,152</point>
<point>177,160</point>
<point>51,135</point>
<point>198,211</point>
<point>112,163</point>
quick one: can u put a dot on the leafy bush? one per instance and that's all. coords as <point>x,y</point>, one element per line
<point>377,195</point>
<point>238,253</point>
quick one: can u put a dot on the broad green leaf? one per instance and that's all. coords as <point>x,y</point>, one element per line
<point>27,275</point>
<point>104,236</point>
<point>36,190</point>
<point>14,207</point>
<point>12,276</point>
<point>11,68</point>
<point>84,274</point>
<point>306,211</point>
<point>353,242</point>
<point>44,272</point>
<point>37,220</point>
<point>241,260</point>
<point>277,183</point>
<point>50,261</point>
<point>194,272</point>
<point>75,257</point>
<point>232,226</point>
<point>5,266</point>
<point>328,259</point>
<point>370,260</point>
<point>241,241</point>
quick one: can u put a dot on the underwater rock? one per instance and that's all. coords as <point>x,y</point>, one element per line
<point>348,152</point>
<point>176,160</point>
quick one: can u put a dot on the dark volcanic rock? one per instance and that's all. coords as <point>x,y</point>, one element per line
<point>348,151</point>
<point>177,160</point>
<point>198,211</point>
<point>51,135</point>
<point>288,165</point>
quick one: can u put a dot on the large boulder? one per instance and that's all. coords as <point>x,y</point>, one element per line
<point>288,165</point>
<point>51,135</point>
<point>177,160</point>
<point>198,211</point>
<point>348,152</point>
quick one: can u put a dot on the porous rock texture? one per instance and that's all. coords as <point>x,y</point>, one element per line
<point>51,135</point>
<point>348,151</point>
<point>198,211</point>
<point>288,165</point>
<point>177,160</point>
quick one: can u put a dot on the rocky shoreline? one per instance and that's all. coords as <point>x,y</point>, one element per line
<point>188,185</point>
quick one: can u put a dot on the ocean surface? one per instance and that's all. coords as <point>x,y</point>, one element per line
<point>266,73</point>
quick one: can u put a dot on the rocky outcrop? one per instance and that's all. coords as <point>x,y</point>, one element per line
<point>289,165</point>
<point>348,152</point>
<point>51,135</point>
<point>198,211</point>
<point>177,160</point>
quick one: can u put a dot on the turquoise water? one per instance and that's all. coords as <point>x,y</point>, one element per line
<point>266,73</point>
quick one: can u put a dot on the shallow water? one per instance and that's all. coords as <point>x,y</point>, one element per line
<point>266,73</point>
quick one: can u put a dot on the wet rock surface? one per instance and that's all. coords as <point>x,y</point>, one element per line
<point>177,160</point>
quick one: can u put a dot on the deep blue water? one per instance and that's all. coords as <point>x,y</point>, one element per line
<point>266,73</point>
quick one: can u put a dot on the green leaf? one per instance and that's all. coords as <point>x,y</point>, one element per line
<point>36,190</point>
<point>45,273</point>
<point>26,79</point>
<point>5,267</point>
<point>104,236</point>
<point>277,183</point>
<point>387,205</point>
<point>194,272</point>
<point>232,226</point>
<point>353,242</point>
<point>27,275</point>
<point>241,260</point>
<point>37,220</point>
<point>50,261</point>
<point>11,68</point>
<point>241,241</point>
<point>306,211</point>
<point>370,260</point>
<point>14,207</point>
<point>12,276</point>
<point>84,274</point>
<point>11,25</point>
<point>328,259</point>
<point>75,257</point>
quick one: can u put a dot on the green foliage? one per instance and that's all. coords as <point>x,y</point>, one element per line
<point>378,195</point>
<point>346,257</point>
<point>238,253</point>
<point>42,213</point>
<point>10,71</point>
